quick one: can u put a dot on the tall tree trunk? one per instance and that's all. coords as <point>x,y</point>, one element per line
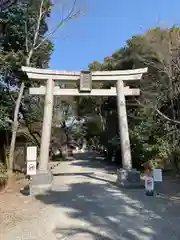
<point>30,53</point>
<point>14,129</point>
<point>15,120</point>
<point>6,150</point>
<point>67,142</point>
<point>174,137</point>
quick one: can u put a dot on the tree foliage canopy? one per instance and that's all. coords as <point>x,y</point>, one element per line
<point>19,25</point>
<point>154,117</point>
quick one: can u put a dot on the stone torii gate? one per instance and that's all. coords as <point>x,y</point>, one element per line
<point>85,89</point>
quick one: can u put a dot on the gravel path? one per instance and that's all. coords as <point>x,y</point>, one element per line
<point>85,204</point>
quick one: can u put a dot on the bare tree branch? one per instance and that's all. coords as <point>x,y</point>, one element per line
<point>26,37</point>
<point>36,33</point>
<point>165,117</point>
<point>160,113</point>
<point>30,52</point>
<point>70,16</point>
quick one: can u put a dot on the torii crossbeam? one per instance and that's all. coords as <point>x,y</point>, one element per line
<point>86,78</point>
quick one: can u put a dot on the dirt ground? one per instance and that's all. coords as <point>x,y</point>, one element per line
<point>14,207</point>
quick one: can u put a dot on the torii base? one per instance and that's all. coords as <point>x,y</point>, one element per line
<point>41,183</point>
<point>129,178</point>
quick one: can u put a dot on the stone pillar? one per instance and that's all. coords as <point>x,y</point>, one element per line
<point>123,127</point>
<point>41,182</point>
<point>126,177</point>
<point>46,128</point>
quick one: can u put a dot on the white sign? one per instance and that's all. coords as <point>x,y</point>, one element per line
<point>31,153</point>
<point>157,175</point>
<point>149,184</point>
<point>31,168</point>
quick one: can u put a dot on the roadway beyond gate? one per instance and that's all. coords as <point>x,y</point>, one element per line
<point>126,176</point>
<point>85,204</point>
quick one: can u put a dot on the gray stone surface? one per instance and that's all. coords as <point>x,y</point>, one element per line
<point>40,183</point>
<point>85,204</point>
<point>129,178</point>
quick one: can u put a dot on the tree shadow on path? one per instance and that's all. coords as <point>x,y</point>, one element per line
<point>92,160</point>
<point>111,213</point>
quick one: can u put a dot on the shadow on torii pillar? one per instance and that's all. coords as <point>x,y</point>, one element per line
<point>126,176</point>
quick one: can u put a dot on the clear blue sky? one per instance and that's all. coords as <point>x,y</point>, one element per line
<point>105,27</point>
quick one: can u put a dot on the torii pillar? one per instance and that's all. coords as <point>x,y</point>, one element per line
<point>127,175</point>
<point>46,127</point>
<point>123,127</point>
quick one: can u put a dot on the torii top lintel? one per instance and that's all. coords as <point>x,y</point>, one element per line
<point>44,74</point>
